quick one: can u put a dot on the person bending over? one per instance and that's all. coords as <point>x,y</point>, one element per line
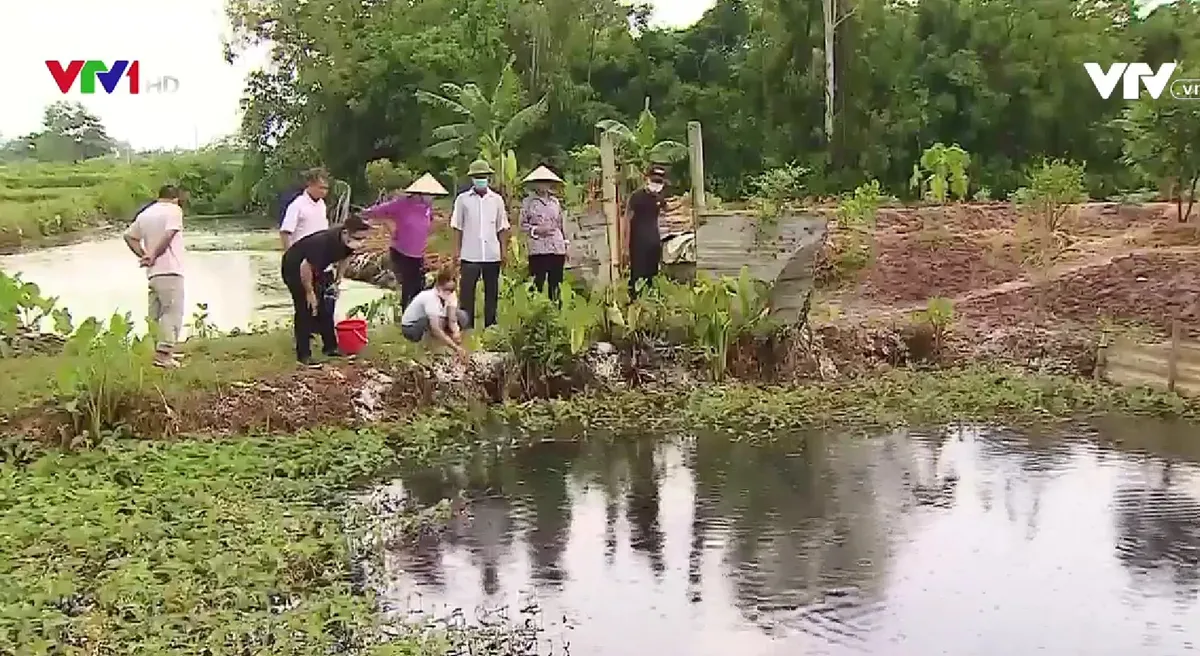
<point>306,264</point>
<point>435,312</point>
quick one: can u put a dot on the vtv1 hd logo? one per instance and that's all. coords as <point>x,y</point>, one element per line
<point>88,72</point>
<point>1130,75</point>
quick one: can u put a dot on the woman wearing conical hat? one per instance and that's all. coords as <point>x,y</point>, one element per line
<point>542,222</point>
<point>412,221</point>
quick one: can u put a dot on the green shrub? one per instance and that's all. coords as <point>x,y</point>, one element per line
<point>103,378</point>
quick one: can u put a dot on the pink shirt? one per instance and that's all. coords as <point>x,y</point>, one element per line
<point>150,227</point>
<point>412,221</point>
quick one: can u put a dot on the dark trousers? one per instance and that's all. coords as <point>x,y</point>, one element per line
<point>643,266</point>
<point>471,273</point>
<point>410,274</point>
<point>547,270</point>
<point>305,325</point>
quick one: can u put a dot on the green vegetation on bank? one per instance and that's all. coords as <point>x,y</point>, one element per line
<point>238,546</point>
<point>173,548</point>
<point>39,200</point>
<point>71,175</point>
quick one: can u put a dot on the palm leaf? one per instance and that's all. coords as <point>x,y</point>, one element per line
<point>506,98</point>
<point>523,121</point>
<point>646,131</point>
<point>478,107</point>
<point>442,101</point>
<point>667,152</point>
<point>621,132</point>
<point>446,149</point>
<point>453,131</point>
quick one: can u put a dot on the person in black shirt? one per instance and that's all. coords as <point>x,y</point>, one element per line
<point>643,241</point>
<point>304,266</point>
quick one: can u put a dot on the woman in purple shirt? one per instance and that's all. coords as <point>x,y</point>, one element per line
<point>542,222</point>
<point>412,221</point>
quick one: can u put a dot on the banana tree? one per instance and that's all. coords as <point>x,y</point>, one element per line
<point>489,126</point>
<point>638,147</point>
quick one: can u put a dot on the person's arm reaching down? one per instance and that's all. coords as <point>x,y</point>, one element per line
<point>625,221</point>
<point>456,222</point>
<point>439,314</point>
<point>306,280</point>
<point>502,230</point>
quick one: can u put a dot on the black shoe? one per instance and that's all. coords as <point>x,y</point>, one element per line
<point>310,363</point>
<point>336,355</point>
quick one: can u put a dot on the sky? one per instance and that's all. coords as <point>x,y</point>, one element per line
<point>176,38</point>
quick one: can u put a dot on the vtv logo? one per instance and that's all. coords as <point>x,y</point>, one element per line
<point>1130,74</point>
<point>109,76</point>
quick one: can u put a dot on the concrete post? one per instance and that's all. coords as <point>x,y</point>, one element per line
<point>608,172</point>
<point>696,161</point>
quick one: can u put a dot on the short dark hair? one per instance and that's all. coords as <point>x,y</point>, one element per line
<point>315,175</point>
<point>355,223</point>
<point>444,275</point>
<point>169,192</point>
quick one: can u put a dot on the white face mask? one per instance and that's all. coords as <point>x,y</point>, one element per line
<point>655,186</point>
<point>355,244</point>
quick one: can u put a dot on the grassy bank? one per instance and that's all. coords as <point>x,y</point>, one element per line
<point>237,546</point>
<point>42,203</point>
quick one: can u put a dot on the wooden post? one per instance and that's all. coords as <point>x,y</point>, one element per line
<point>696,160</point>
<point>1173,356</point>
<point>1101,358</point>
<point>608,175</point>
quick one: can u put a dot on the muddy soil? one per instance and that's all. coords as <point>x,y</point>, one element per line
<point>1124,263</point>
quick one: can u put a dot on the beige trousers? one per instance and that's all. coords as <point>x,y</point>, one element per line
<point>166,309</point>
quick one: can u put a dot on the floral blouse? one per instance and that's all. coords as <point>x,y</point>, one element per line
<point>545,214</point>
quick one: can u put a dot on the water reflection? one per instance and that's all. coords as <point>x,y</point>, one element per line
<point>956,541</point>
<point>240,288</point>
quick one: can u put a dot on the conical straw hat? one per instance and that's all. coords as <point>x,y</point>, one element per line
<point>427,184</point>
<point>542,174</point>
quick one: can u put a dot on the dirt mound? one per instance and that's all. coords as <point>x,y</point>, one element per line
<point>955,218</point>
<point>1107,219</point>
<point>917,267</point>
<point>1147,287</point>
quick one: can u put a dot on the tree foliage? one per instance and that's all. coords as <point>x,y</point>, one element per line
<point>1163,143</point>
<point>1002,79</point>
<point>70,133</point>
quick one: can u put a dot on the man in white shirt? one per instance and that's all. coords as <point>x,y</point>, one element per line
<point>156,238</point>
<point>480,223</point>
<point>430,311</point>
<point>306,214</point>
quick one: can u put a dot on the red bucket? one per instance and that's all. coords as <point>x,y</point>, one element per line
<point>352,335</point>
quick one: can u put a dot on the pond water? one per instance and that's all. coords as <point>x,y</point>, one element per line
<point>961,541</point>
<point>232,267</point>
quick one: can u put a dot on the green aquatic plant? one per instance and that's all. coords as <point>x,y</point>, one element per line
<point>103,377</point>
<point>217,547</point>
<point>546,339</point>
<point>23,309</point>
<point>200,326</point>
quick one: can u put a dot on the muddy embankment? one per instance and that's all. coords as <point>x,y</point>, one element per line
<point>1129,264</point>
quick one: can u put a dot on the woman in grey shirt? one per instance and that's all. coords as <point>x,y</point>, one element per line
<point>542,222</point>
